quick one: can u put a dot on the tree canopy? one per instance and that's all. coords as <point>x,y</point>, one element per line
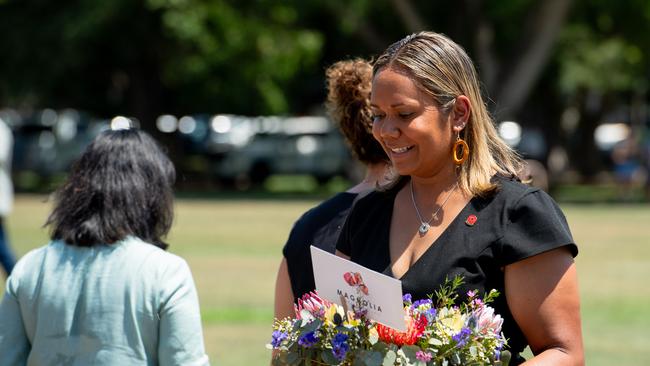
<point>148,57</point>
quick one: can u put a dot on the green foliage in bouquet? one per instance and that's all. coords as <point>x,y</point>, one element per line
<point>439,333</point>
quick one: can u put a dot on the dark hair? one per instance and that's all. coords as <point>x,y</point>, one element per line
<point>120,186</point>
<point>348,102</point>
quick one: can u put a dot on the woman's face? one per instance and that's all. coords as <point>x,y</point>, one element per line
<point>410,127</point>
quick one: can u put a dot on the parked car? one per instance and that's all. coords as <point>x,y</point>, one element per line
<point>247,150</point>
<point>47,142</point>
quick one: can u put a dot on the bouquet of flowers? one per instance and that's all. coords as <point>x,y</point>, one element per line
<point>438,333</point>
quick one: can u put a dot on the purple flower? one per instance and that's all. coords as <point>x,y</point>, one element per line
<point>339,346</point>
<point>462,337</point>
<point>418,303</point>
<point>497,351</point>
<point>360,313</point>
<point>407,298</point>
<point>308,339</point>
<point>278,337</point>
<point>423,356</point>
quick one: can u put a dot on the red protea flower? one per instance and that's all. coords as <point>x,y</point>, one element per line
<point>414,329</point>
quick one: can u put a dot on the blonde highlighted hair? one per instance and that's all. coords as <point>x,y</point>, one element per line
<point>442,68</point>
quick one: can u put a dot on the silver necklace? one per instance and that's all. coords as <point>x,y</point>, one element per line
<point>426,225</point>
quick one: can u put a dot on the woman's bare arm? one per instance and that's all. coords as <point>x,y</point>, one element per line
<point>283,293</point>
<point>542,293</point>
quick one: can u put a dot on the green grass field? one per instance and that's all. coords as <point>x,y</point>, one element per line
<point>234,246</point>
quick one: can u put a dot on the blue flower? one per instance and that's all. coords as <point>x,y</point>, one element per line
<point>339,346</point>
<point>308,339</point>
<point>407,298</point>
<point>497,351</point>
<point>462,337</point>
<point>430,315</point>
<point>278,337</point>
<point>418,303</point>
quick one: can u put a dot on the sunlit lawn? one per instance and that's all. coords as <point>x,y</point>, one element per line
<point>233,247</point>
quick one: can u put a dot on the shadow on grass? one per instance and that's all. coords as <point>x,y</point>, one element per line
<point>277,187</point>
<point>305,187</point>
<point>302,187</point>
<point>598,194</point>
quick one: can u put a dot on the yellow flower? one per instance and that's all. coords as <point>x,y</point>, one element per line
<point>452,320</point>
<point>330,311</point>
<point>352,322</point>
<point>373,336</point>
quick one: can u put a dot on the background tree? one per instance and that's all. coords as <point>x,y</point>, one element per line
<point>603,68</point>
<point>144,58</point>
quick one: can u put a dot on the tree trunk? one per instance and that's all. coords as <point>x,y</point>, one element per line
<point>584,154</point>
<point>409,16</point>
<point>364,30</point>
<point>537,46</point>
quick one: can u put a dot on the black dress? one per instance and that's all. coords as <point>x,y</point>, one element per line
<point>512,224</point>
<point>320,226</point>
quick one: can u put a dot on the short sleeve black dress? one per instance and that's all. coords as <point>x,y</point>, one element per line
<point>320,227</point>
<point>512,224</point>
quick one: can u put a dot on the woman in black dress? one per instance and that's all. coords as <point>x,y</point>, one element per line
<point>348,85</point>
<point>457,209</point>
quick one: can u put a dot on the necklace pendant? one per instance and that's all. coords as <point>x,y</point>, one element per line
<point>424,228</point>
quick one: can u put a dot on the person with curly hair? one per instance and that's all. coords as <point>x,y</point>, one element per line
<point>348,85</point>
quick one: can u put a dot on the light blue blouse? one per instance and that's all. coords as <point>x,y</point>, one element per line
<point>129,303</point>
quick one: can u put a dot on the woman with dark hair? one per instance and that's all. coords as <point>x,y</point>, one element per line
<point>348,85</point>
<point>104,291</point>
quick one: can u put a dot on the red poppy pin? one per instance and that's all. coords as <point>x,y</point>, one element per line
<point>471,220</point>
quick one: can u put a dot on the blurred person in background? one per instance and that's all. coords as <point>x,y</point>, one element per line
<point>457,208</point>
<point>6,195</point>
<point>104,291</point>
<point>628,167</point>
<point>348,85</point>
<point>534,174</point>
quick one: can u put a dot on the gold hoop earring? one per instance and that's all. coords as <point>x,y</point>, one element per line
<point>465,150</point>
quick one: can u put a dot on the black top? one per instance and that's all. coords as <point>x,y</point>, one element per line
<point>320,226</point>
<point>514,223</point>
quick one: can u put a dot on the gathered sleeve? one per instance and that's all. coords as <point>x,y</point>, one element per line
<point>535,224</point>
<point>180,334</point>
